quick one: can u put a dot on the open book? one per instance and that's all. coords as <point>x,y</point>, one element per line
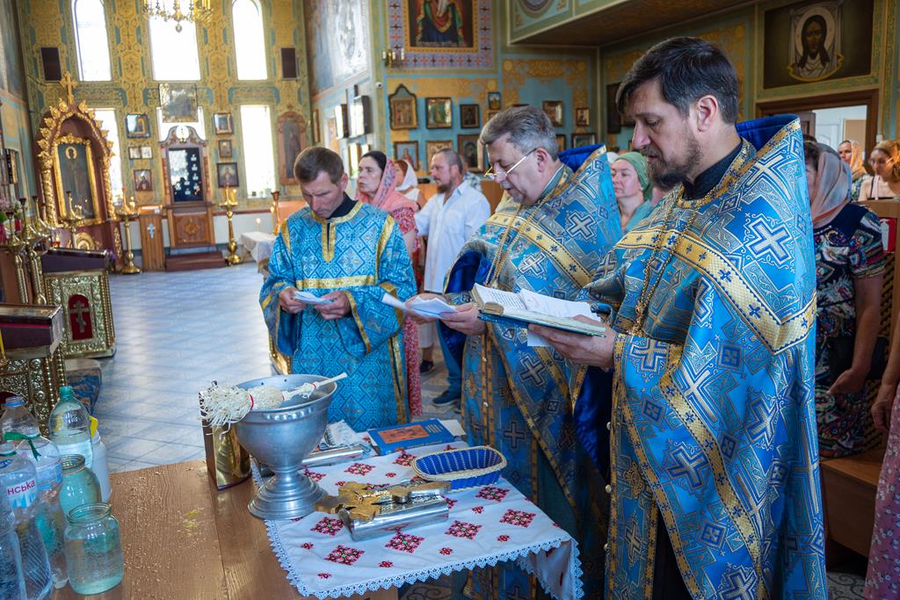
<point>525,307</point>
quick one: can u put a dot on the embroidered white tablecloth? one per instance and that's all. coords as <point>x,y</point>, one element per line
<point>258,243</point>
<point>486,525</point>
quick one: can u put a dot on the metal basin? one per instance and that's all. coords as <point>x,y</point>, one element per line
<point>281,438</point>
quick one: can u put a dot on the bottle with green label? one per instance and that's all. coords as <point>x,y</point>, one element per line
<point>70,426</point>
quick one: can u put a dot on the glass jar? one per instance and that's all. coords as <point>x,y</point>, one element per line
<point>93,549</point>
<point>79,486</point>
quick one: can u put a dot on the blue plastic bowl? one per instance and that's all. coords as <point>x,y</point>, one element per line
<point>463,468</point>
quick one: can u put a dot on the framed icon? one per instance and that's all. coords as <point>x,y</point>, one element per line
<point>438,113</point>
<point>554,110</point>
<point>137,125</point>
<point>583,117</point>
<point>178,102</point>
<point>493,100</point>
<point>223,124</point>
<point>583,139</point>
<point>227,175</point>
<point>134,152</point>
<point>146,152</point>
<point>225,149</point>
<point>471,152</point>
<point>408,151</point>
<point>469,116</point>
<point>143,180</point>
<point>404,114</point>
<point>561,142</point>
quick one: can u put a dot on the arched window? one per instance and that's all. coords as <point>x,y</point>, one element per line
<point>107,118</point>
<point>249,45</point>
<point>257,149</point>
<point>174,52</point>
<point>91,41</point>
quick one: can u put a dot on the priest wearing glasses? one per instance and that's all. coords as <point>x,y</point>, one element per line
<point>556,222</point>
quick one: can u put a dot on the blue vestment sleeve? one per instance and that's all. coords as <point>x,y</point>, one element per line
<point>284,328</point>
<point>371,322</point>
<point>471,267</point>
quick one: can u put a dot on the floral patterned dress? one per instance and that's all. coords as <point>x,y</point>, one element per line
<point>883,577</point>
<point>848,247</point>
<point>406,219</point>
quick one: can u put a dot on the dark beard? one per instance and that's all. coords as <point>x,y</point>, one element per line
<point>442,188</point>
<point>666,176</point>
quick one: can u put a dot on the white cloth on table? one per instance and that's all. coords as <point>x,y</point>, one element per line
<point>258,243</point>
<point>449,223</point>
<point>486,525</point>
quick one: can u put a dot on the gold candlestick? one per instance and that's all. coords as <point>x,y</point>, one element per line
<point>71,219</point>
<point>275,217</point>
<point>16,247</point>
<point>127,213</point>
<point>34,248</point>
<point>228,203</point>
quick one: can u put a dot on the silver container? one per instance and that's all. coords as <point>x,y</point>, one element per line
<point>395,517</point>
<point>281,438</point>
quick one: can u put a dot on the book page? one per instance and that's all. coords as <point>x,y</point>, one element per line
<point>504,299</point>
<point>554,307</point>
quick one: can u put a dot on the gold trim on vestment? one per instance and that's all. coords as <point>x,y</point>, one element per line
<point>577,384</point>
<point>391,289</point>
<point>397,364</point>
<point>359,323</point>
<point>612,545</point>
<point>356,208</point>
<point>547,243</point>
<point>386,229</point>
<point>778,334</point>
<point>314,283</point>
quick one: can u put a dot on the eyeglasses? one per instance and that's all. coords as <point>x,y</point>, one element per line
<point>501,174</point>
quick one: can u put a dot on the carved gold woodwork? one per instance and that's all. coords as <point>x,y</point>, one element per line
<point>93,285</point>
<point>51,135</point>
<point>85,241</point>
<point>62,208</point>
<point>37,380</point>
<point>190,222</point>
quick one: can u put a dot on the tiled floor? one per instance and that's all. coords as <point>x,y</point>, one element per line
<point>176,332</point>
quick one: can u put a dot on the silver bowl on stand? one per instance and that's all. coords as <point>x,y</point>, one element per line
<point>281,439</point>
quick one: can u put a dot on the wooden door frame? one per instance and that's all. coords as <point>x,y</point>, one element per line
<point>869,98</point>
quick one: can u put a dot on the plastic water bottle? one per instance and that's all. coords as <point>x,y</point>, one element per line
<point>70,427</point>
<point>18,478</point>
<point>101,464</point>
<point>12,580</point>
<point>17,417</point>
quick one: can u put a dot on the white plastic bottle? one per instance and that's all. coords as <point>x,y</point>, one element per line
<point>101,464</point>
<point>12,580</point>
<point>70,427</point>
<point>18,480</point>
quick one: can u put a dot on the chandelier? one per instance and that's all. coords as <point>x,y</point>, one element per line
<point>198,11</point>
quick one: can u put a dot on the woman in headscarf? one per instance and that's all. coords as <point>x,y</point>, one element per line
<point>849,270</point>
<point>406,175</point>
<point>377,185</point>
<point>633,189</point>
<point>851,153</point>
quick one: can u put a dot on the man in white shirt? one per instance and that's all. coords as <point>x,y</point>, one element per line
<point>449,219</point>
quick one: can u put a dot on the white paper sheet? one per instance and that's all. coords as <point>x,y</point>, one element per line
<point>310,299</point>
<point>433,307</point>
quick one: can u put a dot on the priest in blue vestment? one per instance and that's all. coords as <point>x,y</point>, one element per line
<point>714,457</point>
<point>556,222</point>
<point>350,254</point>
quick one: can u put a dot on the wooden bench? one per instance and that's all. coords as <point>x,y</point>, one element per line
<point>848,495</point>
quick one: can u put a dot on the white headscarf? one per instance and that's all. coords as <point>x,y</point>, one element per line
<point>409,180</point>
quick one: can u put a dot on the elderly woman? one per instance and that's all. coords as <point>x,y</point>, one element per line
<point>851,153</point>
<point>377,185</point>
<point>849,269</point>
<point>885,163</point>
<point>633,189</point>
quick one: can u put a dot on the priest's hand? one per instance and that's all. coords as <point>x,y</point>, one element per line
<point>419,318</point>
<point>464,320</point>
<point>583,349</point>
<point>288,302</point>
<point>339,307</point>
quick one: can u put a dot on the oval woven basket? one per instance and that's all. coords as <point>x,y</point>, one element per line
<point>463,468</point>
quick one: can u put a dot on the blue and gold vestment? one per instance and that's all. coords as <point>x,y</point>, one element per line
<point>713,424</point>
<point>515,397</point>
<point>362,254</point>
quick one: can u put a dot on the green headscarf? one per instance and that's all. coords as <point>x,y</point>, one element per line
<point>639,162</point>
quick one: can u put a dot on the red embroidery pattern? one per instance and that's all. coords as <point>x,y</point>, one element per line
<point>340,483</point>
<point>386,564</point>
<point>324,575</point>
<point>404,542</point>
<point>307,546</point>
<point>328,526</point>
<point>479,509</point>
<point>359,469</point>
<point>405,459</point>
<point>517,517</point>
<point>390,474</point>
<point>446,551</point>
<point>313,475</point>
<point>463,530</point>
<point>492,493</point>
<point>344,555</point>
<point>450,502</point>
<point>502,538</point>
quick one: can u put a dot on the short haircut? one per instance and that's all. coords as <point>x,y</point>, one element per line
<point>452,158</point>
<point>811,153</point>
<point>313,161</point>
<point>528,128</point>
<point>687,69</point>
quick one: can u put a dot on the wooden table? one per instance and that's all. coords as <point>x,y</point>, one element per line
<point>182,538</point>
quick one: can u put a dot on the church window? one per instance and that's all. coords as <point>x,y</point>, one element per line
<point>165,128</point>
<point>174,53</point>
<point>257,151</point>
<point>91,41</point>
<point>107,118</point>
<point>249,42</point>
